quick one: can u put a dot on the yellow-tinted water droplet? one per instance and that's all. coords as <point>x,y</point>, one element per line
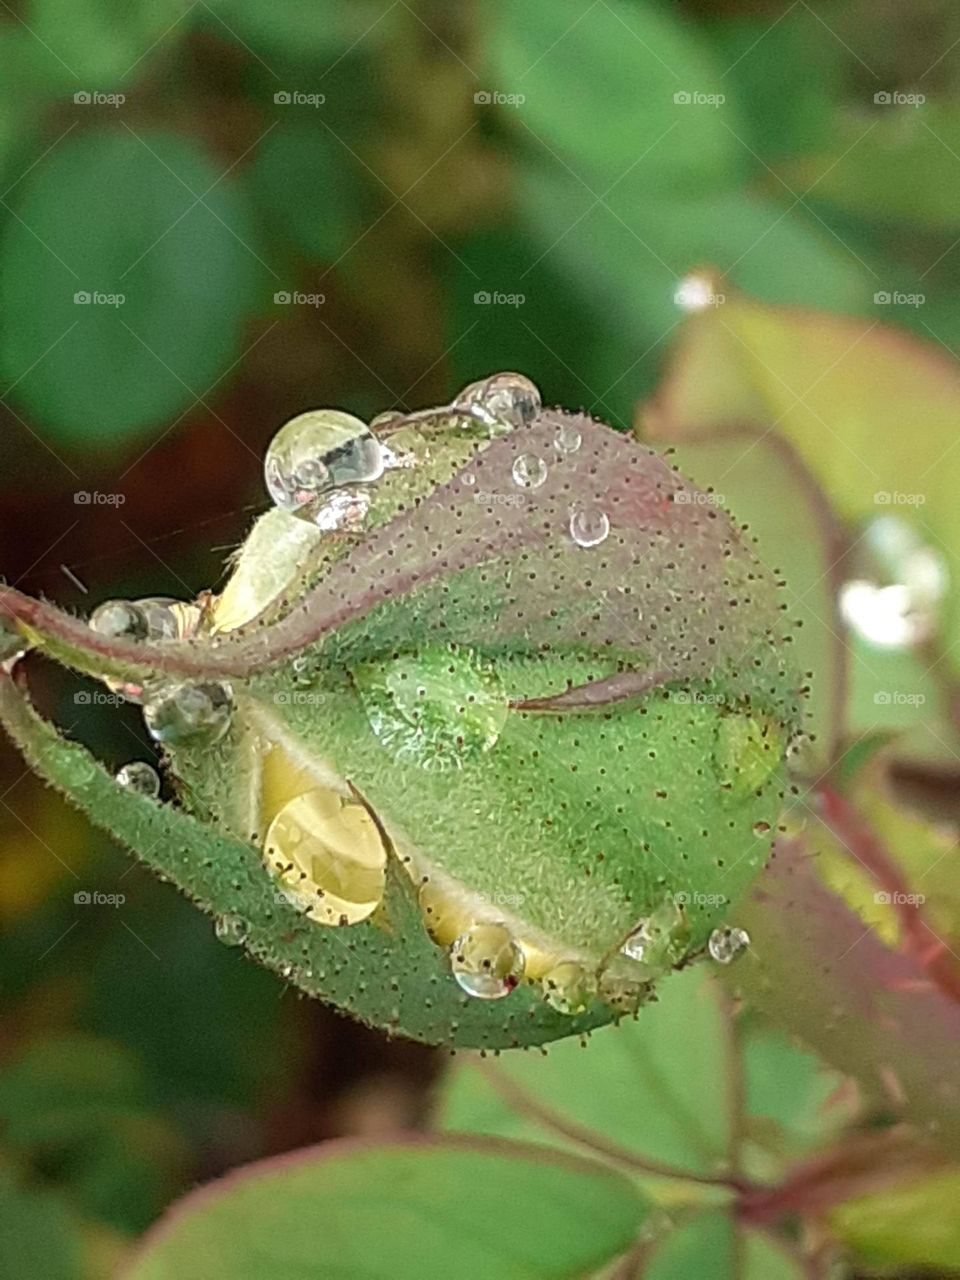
<point>328,854</point>
<point>567,987</point>
<point>487,962</point>
<point>317,452</point>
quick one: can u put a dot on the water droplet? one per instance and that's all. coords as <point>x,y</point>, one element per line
<point>624,984</point>
<point>589,525</point>
<point>140,777</point>
<point>659,941</point>
<point>177,713</point>
<point>895,601</point>
<point>696,293</point>
<point>567,987</point>
<point>230,930</point>
<point>317,452</point>
<point>343,511</point>
<point>444,916</point>
<point>727,943</point>
<point>328,856</point>
<point>119,618</point>
<point>486,961</point>
<point>567,439</point>
<point>501,402</point>
<point>438,709</point>
<point>529,471</point>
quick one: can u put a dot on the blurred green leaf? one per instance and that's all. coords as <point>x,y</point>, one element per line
<point>94,45</point>
<point>707,1246</point>
<point>151,220</point>
<point>302,179</point>
<point>912,1225</point>
<point>303,28</point>
<point>426,1208</point>
<point>39,1239</point>
<point>613,87</point>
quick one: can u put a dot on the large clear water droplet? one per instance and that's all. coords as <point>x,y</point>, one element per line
<point>501,402</point>
<point>727,943</point>
<point>487,962</point>
<point>589,524</point>
<point>659,941</point>
<point>181,712</point>
<point>567,987</point>
<point>328,856</point>
<point>895,597</point>
<point>529,471</point>
<point>319,451</point>
<point>140,777</point>
<point>230,929</point>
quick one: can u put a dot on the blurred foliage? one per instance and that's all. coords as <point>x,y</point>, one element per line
<point>369,204</point>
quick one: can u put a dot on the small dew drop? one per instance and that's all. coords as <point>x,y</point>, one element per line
<point>231,930</point>
<point>317,452</point>
<point>179,713</point>
<point>529,471</point>
<point>140,777</point>
<point>589,525</point>
<point>486,962</point>
<point>344,511</point>
<point>567,987</point>
<point>119,618</point>
<point>567,439</point>
<point>727,943</point>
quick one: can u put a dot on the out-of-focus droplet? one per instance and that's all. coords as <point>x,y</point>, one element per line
<point>119,619</point>
<point>486,961</point>
<point>177,713</point>
<point>696,292</point>
<point>895,600</point>
<point>141,777</point>
<point>319,451</point>
<point>567,438</point>
<point>624,983</point>
<point>529,471</point>
<point>589,524</point>
<point>567,987</point>
<point>328,856</point>
<point>230,929</point>
<point>660,939</point>
<point>501,402</point>
<point>727,943</point>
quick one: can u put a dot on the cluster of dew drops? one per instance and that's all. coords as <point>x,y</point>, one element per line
<point>319,467</point>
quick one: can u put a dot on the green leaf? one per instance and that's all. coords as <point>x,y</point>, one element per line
<point>911,1225</point>
<point>708,1245</point>
<point>600,84</point>
<point>428,1207</point>
<point>95,45</point>
<point>302,179</point>
<point>39,1238</point>
<point>299,28</point>
<point>152,221</point>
